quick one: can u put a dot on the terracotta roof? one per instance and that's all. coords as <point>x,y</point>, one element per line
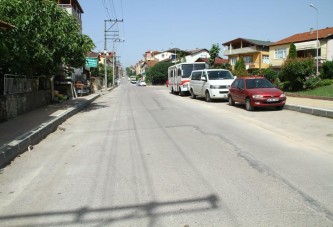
<point>307,36</point>
<point>151,63</point>
<point>202,60</point>
<point>92,55</point>
<point>218,60</point>
<point>152,52</point>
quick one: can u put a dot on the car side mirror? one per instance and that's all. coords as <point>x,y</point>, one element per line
<point>203,78</point>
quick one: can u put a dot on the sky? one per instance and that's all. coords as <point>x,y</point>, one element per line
<point>189,24</point>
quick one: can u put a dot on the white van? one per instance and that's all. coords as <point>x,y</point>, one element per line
<point>210,83</point>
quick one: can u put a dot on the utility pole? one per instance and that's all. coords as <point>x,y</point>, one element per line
<point>108,30</point>
<point>114,60</point>
<point>312,6</point>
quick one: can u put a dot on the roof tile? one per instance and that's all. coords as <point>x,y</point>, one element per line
<point>306,36</point>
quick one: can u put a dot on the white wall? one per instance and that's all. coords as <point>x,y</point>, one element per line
<point>329,50</point>
<point>193,57</point>
<point>163,56</point>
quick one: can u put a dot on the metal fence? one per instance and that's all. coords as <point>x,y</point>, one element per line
<point>13,84</point>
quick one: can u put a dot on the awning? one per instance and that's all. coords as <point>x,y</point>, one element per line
<point>306,45</point>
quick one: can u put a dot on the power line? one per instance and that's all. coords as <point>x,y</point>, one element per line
<point>106,9</point>
<point>113,8</point>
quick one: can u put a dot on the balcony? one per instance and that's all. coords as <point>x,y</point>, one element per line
<point>76,13</point>
<point>245,50</point>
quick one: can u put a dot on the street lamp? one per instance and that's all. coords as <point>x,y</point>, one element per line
<point>312,6</point>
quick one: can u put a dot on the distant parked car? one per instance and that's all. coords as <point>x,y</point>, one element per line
<point>210,83</point>
<point>256,92</point>
<point>142,83</point>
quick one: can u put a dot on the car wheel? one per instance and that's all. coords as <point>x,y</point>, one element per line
<point>207,96</point>
<point>180,92</point>
<point>248,105</point>
<point>231,101</point>
<point>192,94</point>
<point>279,107</point>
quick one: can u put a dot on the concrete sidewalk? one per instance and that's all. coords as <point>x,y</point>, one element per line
<point>318,107</point>
<point>17,134</point>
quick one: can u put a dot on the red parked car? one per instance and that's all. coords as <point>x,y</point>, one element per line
<point>256,92</point>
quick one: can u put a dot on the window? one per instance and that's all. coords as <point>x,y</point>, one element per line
<point>241,84</point>
<point>233,61</point>
<point>265,59</point>
<point>204,75</point>
<point>280,54</point>
<point>248,59</point>
<point>235,84</point>
<point>258,83</point>
<point>219,75</point>
<point>196,75</point>
<point>188,68</point>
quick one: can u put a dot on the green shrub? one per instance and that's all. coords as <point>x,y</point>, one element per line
<point>327,70</point>
<point>325,82</point>
<point>312,82</point>
<point>285,86</point>
<point>270,74</point>
<point>294,71</point>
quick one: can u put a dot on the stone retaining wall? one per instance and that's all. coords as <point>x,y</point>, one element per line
<point>16,104</point>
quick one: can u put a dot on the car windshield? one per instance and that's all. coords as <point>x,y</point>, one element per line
<point>219,75</point>
<point>258,83</point>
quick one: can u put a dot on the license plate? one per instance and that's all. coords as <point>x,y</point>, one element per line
<point>273,100</point>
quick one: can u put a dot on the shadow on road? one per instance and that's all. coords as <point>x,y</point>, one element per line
<point>107,215</point>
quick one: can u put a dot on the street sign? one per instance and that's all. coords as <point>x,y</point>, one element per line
<point>91,62</point>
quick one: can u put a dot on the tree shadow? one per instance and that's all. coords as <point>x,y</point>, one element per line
<point>95,106</point>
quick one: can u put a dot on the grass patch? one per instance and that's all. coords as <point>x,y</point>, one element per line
<point>325,91</point>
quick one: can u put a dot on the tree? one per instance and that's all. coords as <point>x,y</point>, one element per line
<point>100,72</point>
<point>129,71</point>
<point>292,51</point>
<point>158,74</point>
<point>214,53</point>
<point>240,69</point>
<point>44,39</point>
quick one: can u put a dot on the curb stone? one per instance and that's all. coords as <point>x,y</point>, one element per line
<point>310,110</point>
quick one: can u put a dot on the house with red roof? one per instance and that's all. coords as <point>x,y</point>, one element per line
<point>254,52</point>
<point>194,55</point>
<point>306,46</point>
<point>217,62</point>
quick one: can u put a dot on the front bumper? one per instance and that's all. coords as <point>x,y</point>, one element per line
<point>219,93</point>
<point>267,102</point>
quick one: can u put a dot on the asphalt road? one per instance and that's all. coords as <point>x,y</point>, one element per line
<point>139,156</point>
